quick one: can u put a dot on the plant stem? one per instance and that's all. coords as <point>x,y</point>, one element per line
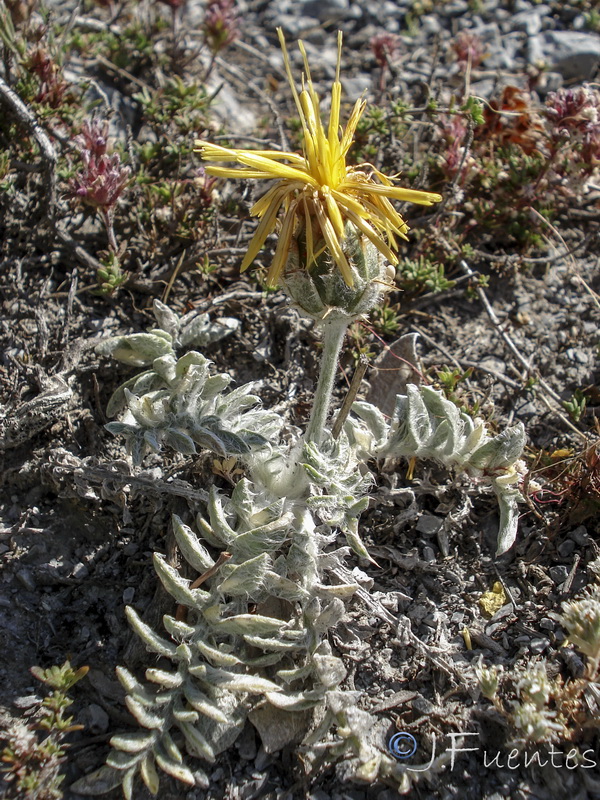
<point>333,338</point>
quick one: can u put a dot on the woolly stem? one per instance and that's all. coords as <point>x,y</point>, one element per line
<point>334,332</point>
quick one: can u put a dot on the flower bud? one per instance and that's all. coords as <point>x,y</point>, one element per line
<point>320,290</point>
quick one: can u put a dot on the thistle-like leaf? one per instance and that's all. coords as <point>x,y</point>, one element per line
<point>133,742</point>
<point>203,703</point>
<point>149,774</point>
<point>297,701</point>
<point>245,578</point>
<point>168,680</point>
<point>194,552</point>
<point>174,769</point>
<point>143,715</point>
<point>152,640</point>
<point>196,744</point>
<point>137,349</point>
<point>119,759</point>
<point>241,682</point>
<point>252,624</point>
<point>177,586</point>
<point>216,656</point>
<point>274,645</point>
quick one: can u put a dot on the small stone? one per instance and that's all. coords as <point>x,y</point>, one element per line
<point>325,9</point>
<point>559,573</point>
<point>429,554</point>
<point>538,645</point>
<point>80,571</point>
<point>528,21</point>
<point>246,744</point>
<point>547,624</point>
<point>430,24</point>
<point>575,55</point>
<point>566,548</point>
<point>128,595</point>
<point>577,355</point>
<point>25,578</point>
<point>27,701</point>
<point>580,536</point>
<point>429,525</point>
<point>263,759</point>
<point>319,794</point>
<point>95,719</point>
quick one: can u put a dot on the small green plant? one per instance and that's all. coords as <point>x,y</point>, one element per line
<point>35,752</point>
<point>576,405</point>
<point>415,276</point>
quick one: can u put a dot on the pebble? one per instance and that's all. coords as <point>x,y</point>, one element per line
<point>128,595</point>
<point>538,645</point>
<point>559,573</point>
<point>580,536</point>
<point>95,719</point>
<point>25,578</point>
<point>566,548</point>
<point>575,55</point>
<point>27,701</point>
<point>429,525</point>
<point>80,571</point>
<point>428,554</point>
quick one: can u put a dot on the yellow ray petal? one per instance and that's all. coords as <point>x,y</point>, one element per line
<point>288,72</point>
<point>308,233</point>
<point>373,237</point>
<point>283,246</point>
<point>237,172</point>
<point>350,130</point>
<point>397,192</point>
<point>334,245</point>
<point>333,212</point>
<point>265,227</point>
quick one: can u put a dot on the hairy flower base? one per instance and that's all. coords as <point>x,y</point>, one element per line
<point>317,191</point>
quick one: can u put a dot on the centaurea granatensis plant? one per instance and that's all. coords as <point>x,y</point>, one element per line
<point>247,640</point>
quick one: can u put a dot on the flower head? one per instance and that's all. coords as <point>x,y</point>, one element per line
<point>103,178</point>
<point>220,26</point>
<point>318,192</point>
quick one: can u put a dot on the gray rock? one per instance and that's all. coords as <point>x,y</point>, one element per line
<point>233,113</point>
<point>128,595</point>
<point>566,548</point>
<point>324,10</point>
<point>575,55</point>
<point>537,646</point>
<point>456,8</point>
<point>580,536</point>
<point>429,525</point>
<point>429,554</point>
<point>530,22</point>
<point>355,87</point>
<point>26,579</point>
<point>95,719</point>
<point>294,25</point>
<point>393,10</point>
<point>430,24</point>
<point>559,573</point>
<point>577,355</point>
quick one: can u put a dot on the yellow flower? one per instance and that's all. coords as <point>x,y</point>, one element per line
<point>318,191</point>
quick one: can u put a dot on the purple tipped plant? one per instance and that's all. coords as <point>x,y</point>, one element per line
<point>219,28</point>
<point>575,113</point>
<point>103,178</point>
